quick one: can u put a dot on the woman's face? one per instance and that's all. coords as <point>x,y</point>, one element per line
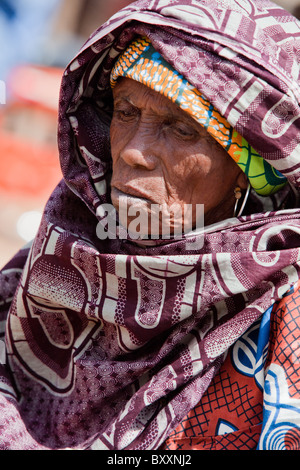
<point>162,156</point>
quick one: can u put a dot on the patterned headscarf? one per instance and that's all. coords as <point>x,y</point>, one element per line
<point>141,62</point>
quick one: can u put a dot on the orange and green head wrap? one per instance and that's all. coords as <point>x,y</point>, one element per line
<point>141,62</point>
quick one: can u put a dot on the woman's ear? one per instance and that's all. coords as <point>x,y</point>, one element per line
<point>242,180</point>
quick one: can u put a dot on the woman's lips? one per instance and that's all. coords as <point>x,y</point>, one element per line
<point>128,206</point>
<point>130,198</point>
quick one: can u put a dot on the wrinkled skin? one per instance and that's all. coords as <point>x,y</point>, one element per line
<point>163,156</point>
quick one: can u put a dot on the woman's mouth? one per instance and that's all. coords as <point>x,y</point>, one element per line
<point>121,198</point>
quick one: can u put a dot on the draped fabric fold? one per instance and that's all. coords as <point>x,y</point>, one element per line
<point>110,344</point>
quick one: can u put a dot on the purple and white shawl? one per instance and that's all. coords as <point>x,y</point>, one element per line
<point>108,345</point>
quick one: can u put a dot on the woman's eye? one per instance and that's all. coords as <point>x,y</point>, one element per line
<point>183,131</point>
<point>125,115</point>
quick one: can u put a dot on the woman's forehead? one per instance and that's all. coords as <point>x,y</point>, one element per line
<point>141,96</point>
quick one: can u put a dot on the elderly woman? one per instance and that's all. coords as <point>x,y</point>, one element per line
<point>147,339</point>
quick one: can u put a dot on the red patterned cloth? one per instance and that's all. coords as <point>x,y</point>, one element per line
<point>234,411</point>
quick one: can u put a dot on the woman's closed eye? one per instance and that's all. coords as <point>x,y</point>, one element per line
<point>124,116</point>
<point>125,113</point>
<point>182,130</point>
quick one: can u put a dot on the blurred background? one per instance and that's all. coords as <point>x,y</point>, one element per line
<point>38,39</point>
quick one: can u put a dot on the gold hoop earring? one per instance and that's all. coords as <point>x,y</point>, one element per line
<point>238,196</point>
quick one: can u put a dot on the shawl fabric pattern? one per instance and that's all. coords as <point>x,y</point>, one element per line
<point>253,401</point>
<point>109,345</point>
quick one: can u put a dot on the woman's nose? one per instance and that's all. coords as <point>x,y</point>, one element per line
<point>140,150</point>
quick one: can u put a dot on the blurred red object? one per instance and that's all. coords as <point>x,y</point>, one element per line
<point>29,164</point>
